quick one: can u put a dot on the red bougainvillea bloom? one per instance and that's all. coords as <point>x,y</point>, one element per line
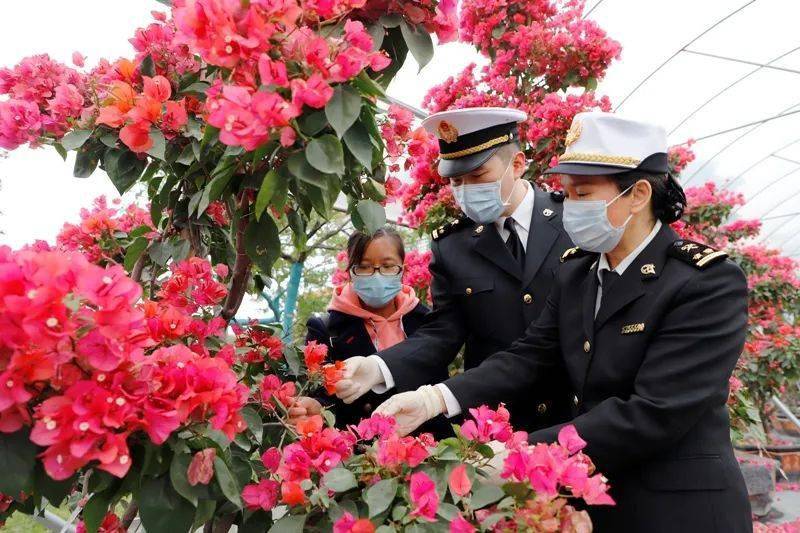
<point>262,495</point>
<point>292,493</point>
<point>395,451</point>
<point>314,354</point>
<point>422,491</point>
<point>201,469</point>
<point>331,374</point>
<point>459,481</point>
<point>110,524</point>
<point>349,524</point>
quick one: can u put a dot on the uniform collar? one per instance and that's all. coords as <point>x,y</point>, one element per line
<point>631,257</point>
<point>523,213</point>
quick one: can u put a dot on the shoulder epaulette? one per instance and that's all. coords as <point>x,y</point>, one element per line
<point>696,253</point>
<point>557,196</point>
<point>573,253</point>
<point>448,228</point>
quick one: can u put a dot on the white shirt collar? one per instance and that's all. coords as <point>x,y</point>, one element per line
<point>625,263</point>
<point>523,214</point>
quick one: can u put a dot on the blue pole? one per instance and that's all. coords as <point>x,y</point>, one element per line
<point>290,302</point>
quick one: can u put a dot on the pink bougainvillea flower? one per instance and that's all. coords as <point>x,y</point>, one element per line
<point>423,495</point>
<point>459,481</point>
<point>271,459</point>
<point>262,495</point>
<point>201,469</point>
<point>460,525</point>
<point>568,438</point>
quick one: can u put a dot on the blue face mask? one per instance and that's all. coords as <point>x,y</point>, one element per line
<point>482,201</point>
<point>377,290</point>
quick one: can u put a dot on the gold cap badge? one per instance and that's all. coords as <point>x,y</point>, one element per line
<point>574,133</point>
<point>447,132</point>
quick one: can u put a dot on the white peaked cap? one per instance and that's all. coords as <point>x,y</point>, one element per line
<point>606,143</point>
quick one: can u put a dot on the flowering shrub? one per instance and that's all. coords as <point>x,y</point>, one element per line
<point>354,479</point>
<point>769,363</point>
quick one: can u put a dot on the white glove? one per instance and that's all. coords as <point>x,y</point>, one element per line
<point>360,375</point>
<point>412,409</point>
<point>495,466</point>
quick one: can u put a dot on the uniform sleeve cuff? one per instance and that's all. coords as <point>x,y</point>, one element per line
<point>388,380</point>
<point>450,402</point>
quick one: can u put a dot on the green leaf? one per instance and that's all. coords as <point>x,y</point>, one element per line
<point>292,359</point>
<point>380,495</point>
<point>198,87</point>
<point>61,151</point>
<point>262,243</point>
<point>313,123</point>
<point>391,21</point>
<point>339,480</point>
<point>418,41</point>
<point>326,155</point>
<point>367,85</point>
<point>300,168</point>
<point>147,67</point>
<point>358,142</point>
<point>484,494</point>
<point>159,144</point>
<point>178,469</point>
<point>343,108</point>
<point>134,252</point>
<point>591,84</point>
<point>288,524</point>
<point>17,462</point>
<point>220,178</point>
<point>163,510</point>
<point>254,422</point>
<point>376,31</point>
<point>123,168</point>
<point>372,214</point>
<point>54,491</point>
<point>75,139</point>
<point>448,511</point>
<point>86,160</point>
<point>205,512</point>
<point>95,510</point>
<point>266,191</point>
<point>228,484</point>
<point>485,450</point>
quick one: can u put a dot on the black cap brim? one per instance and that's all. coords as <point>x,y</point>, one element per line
<point>449,168</point>
<point>657,163</point>
<point>580,169</point>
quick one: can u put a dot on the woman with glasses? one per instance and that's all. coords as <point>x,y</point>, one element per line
<point>371,312</point>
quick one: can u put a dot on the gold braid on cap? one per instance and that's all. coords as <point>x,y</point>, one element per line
<point>580,157</point>
<point>475,149</point>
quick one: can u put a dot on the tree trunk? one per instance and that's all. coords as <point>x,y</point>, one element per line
<point>241,269</point>
<point>292,292</point>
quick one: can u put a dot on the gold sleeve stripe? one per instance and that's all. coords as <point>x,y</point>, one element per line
<point>709,257</point>
<point>580,157</point>
<point>475,149</point>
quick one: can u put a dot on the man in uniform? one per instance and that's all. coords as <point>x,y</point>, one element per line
<point>492,268</point>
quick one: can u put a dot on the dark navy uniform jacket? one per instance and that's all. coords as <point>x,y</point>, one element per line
<point>649,377</point>
<point>483,301</point>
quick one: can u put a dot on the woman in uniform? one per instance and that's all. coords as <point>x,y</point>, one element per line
<point>648,327</point>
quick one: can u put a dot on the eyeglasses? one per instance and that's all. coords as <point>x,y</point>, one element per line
<point>368,270</point>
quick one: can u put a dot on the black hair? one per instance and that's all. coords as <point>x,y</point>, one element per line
<point>668,200</point>
<point>358,242</point>
<point>509,150</point>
